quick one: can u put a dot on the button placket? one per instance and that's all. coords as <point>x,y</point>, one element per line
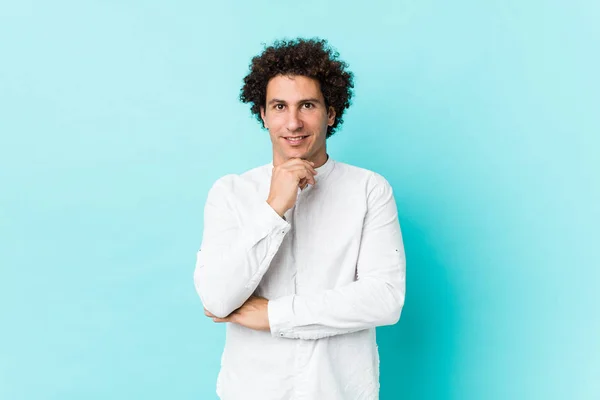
<point>296,254</point>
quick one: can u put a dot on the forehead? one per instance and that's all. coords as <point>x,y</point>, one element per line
<point>293,87</point>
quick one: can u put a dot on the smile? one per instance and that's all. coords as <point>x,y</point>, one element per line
<point>295,140</point>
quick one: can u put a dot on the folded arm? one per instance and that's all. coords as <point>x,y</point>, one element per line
<point>376,298</point>
<point>241,235</point>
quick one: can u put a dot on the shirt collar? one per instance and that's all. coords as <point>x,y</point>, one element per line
<point>322,171</point>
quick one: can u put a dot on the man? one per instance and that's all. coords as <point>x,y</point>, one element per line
<point>302,257</point>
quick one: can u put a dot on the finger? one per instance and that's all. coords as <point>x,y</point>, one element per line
<point>304,167</point>
<point>304,173</point>
<point>305,181</point>
<point>233,317</point>
<point>296,160</point>
<point>311,167</point>
<point>300,164</point>
<point>208,313</point>
<point>309,176</point>
<point>302,184</point>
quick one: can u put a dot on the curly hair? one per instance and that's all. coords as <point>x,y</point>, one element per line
<point>312,58</point>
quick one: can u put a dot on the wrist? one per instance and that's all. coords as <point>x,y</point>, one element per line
<point>278,209</point>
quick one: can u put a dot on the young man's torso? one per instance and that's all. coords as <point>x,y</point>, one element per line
<point>319,253</point>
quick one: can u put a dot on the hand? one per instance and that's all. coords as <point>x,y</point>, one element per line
<point>285,181</point>
<point>252,314</point>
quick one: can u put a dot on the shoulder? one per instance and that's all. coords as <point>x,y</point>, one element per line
<point>370,180</point>
<point>239,183</point>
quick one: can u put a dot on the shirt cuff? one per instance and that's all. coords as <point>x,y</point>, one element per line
<point>281,312</point>
<point>268,220</point>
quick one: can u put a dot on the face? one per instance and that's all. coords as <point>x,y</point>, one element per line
<point>297,119</point>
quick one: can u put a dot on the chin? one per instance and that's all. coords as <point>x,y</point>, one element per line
<point>300,153</point>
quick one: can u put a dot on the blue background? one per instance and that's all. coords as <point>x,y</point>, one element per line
<point>117,116</point>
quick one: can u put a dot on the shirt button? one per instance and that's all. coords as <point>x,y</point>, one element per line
<point>281,334</point>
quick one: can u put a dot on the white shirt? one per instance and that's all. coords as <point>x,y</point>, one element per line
<point>333,270</point>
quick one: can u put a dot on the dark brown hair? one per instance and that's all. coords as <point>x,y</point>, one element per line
<point>312,58</point>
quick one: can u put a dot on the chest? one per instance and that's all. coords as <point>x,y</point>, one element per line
<point>321,249</point>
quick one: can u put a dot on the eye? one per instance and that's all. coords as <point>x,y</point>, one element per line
<point>279,106</point>
<point>308,105</point>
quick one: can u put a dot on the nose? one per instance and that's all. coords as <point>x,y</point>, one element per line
<point>294,122</point>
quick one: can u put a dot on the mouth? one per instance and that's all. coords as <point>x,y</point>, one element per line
<point>295,140</point>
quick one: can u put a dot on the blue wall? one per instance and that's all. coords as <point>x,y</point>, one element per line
<point>117,116</point>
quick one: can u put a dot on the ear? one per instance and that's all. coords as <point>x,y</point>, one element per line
<point>262,116</point>
<point>330,116</point>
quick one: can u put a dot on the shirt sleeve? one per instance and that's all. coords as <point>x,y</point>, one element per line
<point>241,235</point>
<point>376,297</point>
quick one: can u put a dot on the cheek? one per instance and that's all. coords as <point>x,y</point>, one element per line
<point>317,121</point>
<point>276,121</point>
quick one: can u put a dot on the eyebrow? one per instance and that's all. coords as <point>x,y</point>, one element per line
<point>310,100</point>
